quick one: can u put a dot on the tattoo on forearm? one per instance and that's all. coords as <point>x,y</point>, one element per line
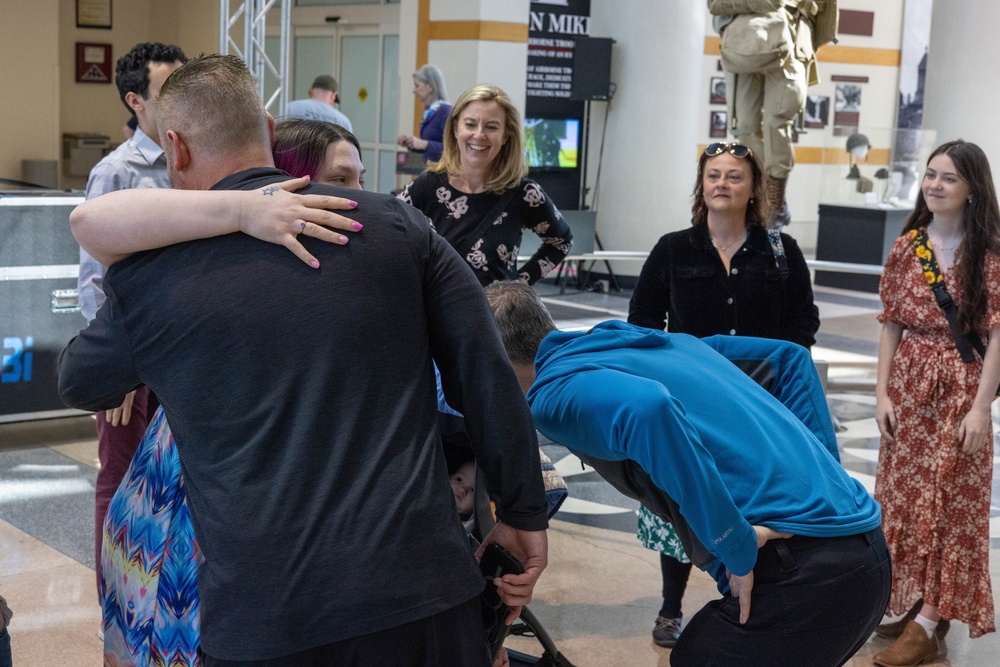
<point>270,190</point>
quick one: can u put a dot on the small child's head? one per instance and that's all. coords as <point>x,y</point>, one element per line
<point>463,487</point>
<point>462,474</point>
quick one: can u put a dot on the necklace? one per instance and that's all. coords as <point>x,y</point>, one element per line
<point>946,248</point>
<point>727,247</point>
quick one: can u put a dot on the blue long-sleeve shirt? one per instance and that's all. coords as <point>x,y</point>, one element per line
<point>730,453</point>
<point>432,129</point>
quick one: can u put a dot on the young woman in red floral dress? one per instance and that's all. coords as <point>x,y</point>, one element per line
<point>933,409</point>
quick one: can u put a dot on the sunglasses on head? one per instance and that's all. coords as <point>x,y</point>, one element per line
<point>737,150</point>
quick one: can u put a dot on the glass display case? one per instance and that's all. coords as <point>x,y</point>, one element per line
<point>874,167</point>
<point>870,181</point>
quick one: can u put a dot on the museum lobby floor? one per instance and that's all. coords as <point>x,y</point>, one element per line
<point>598,598</point>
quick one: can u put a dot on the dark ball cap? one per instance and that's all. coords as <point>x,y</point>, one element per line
<point>326,82</point>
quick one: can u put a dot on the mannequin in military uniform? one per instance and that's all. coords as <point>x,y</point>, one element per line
<point>769,56</point>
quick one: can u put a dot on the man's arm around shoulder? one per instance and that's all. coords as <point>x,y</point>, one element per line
<point>479,382</point>
<point>95,368</point>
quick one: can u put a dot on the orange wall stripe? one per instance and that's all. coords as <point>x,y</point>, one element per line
<point>831,53</point>
<point>853,55</point>
<point>820,155</point>
<point>489,31</point>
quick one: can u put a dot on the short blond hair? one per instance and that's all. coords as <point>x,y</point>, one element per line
<point>213,103</point>
<point>510,165</point>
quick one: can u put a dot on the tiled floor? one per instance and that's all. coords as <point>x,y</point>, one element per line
<point>597,600</point>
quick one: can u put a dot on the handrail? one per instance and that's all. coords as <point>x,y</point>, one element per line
<point>636,255</point>
<point>845,267</point>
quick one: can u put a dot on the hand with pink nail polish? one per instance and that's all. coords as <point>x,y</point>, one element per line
<point>277,214</point>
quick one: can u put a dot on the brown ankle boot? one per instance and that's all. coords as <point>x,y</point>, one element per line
<point>912,648</point>
<point>779,216</point>
<point>894,629</point>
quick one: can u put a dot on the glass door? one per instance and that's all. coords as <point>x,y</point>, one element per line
<point>365,62</point>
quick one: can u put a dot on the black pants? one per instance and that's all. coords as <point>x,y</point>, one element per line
<point>675,579</point>
<point>4,646</point>
<point>814,603</point>
<point>453,637</point>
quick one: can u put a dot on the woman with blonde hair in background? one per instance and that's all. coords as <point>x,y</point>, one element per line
<point>479,198</point>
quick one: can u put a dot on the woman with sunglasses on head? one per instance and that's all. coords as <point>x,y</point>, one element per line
<point>719,276</point>
<point>478,197</point>
<point>933,407</point>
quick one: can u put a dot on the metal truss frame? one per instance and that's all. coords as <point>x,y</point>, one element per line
<point>249,43</point>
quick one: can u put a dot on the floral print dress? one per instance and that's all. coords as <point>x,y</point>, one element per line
<point>457,216</point>
<point>935,499</point>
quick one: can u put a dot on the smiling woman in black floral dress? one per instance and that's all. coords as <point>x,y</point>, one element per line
<point>477,195</point>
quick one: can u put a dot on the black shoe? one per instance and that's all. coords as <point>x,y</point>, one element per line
<point>666,631</point>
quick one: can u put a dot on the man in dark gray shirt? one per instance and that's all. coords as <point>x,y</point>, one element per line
<point>303,405</point>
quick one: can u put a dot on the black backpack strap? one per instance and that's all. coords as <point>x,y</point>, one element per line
<point>932,272</point>
<point>778,250</point>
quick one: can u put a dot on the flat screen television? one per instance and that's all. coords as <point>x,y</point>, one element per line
<point>552,143</point>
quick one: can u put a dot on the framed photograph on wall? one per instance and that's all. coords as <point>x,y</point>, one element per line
<point>817,113</point>
<point>93,14</point>
<point>848,97</point>
<point>717,124</point>
<point>847,109</point>
<point>717,90</point>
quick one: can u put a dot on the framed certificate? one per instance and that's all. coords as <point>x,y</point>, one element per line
<point>93,63</point>
<point>93,14</point>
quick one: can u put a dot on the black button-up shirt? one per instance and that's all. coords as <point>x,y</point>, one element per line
<point>684,287</point>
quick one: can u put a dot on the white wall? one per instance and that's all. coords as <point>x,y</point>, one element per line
<point>29,79</point>
<point>810,184</point>
<point>654,123</point>
<point>464,63</point>
<point>467,63</point>
<point>480,10</point>
<point>661,112</point>
<point>962,90</point>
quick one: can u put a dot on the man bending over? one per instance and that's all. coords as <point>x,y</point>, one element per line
<point>759,498</point>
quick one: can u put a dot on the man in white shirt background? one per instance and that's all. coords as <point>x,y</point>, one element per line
<point>137,163</point>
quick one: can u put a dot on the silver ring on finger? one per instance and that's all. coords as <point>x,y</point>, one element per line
<point>303,229</point>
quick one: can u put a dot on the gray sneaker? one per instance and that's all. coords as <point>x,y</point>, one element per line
<point>666,631</point>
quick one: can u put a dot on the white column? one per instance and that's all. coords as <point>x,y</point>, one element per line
<point>648,169</point>
<point>962,90</point>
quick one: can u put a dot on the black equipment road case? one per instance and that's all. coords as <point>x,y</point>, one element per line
<point>39,310</point>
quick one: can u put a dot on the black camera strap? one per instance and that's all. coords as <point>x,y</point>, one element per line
<point>965,342</point>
